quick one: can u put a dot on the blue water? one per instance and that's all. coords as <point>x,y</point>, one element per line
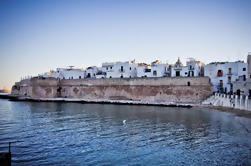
<point>94,134</point>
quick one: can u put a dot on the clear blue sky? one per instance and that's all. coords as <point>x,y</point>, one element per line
<point>39,35</point>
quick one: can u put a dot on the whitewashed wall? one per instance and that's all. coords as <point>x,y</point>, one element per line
<point>211,71</point>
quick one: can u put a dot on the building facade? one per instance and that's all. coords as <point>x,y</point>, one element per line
<point>223,74</point>
<point>65,73</point>
<point>156,69</point>
<point>193,68</point>
<point>121,69</point>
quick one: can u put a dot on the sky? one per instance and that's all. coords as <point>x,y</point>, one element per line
<point>39,35</point>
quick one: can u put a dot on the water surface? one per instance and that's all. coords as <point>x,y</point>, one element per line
<point>94,134</point>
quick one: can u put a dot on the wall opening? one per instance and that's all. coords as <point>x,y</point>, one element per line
<point>229,79</point>
<point>155,73</point>
<point>244,77</point>
<point>229,70</point>
<point>238,92</point>
<point>220,73</point>
<point>188,83</point>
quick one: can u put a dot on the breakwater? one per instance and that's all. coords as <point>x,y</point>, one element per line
<point>140,90</point>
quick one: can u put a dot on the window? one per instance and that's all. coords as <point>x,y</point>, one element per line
<point>229,70</point>
<point>107,68</point>
<point>110,67</point>
<point>185,73</point>
<point>244,77</point>
<point>238,92</point>
<point>244,69</point>
<point>219,73</point>
<point>221,83</point>
<point>79,77</point>
<point>110,76</point>
<point>155,73</point>
<point>229,79</point>
<point>147,70</point>
<point>121,69</point>
<point>130,68</point>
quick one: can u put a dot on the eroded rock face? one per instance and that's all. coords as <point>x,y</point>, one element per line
<point>183,90</point>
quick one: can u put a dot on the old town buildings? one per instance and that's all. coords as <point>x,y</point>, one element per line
<point>225,77</point>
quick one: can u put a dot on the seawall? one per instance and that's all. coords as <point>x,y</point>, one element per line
<point>192,90</point>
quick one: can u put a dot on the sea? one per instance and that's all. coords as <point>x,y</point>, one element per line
<point>58,133</point>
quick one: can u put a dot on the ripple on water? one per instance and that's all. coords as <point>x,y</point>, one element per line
<point>94,134</point>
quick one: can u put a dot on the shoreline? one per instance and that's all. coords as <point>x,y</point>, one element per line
<point>97,101</point>
<point>238,112</point>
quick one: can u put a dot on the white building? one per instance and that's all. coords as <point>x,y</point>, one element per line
<point>193,68</point>
<point>91,72</point>
<point>178,70</point>
<point>121,69</point>
<point>102,71</point>
<point>156,69</point>
<point>144,70</point>
<point>223,74</point>
<point>65,73</point>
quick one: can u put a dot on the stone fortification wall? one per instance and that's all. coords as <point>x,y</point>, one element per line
<point>22,88</point>
<point>180,90</point>
<point>36,88</point>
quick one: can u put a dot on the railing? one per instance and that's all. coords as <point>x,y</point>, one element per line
<point>234,101</point>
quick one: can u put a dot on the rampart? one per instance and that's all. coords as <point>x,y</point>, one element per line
<point>159,90</point>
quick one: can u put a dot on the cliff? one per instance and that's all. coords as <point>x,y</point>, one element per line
<point>158,90</point>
